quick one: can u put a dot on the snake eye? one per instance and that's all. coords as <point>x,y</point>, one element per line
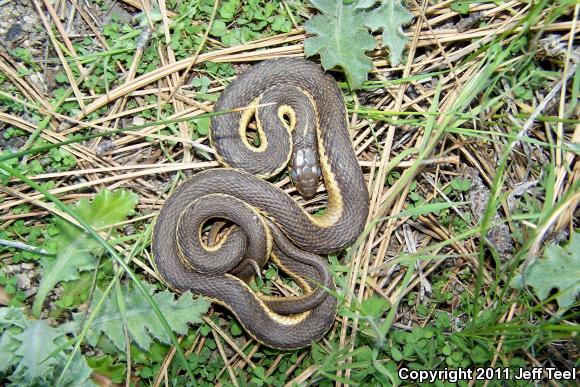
<point>316,171</point>
<point>299,159</point>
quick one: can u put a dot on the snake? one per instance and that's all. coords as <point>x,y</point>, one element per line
<point>302,126</point>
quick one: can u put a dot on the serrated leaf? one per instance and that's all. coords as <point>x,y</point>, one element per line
<point>76,250</point>
<point>143,325</point>
<point>341,39</point>
<point>107,208</point>
<point>12,322</point>
<point>390,17</point>
<point>29,352</point>
<point>559,268</point>
<point>8,345</point>
<point>79,372</point>
<point>37,342</point>
<point>11,316</point>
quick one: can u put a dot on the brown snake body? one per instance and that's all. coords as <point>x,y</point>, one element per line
<point>295,97</point>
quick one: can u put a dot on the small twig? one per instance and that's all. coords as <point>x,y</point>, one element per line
<point>229,341</point>
<point>61,56</point>
<point>23,246</point>
<point>411,243</point>
<point>225,358</point>
<point>530,121</point>
<point>440,192</point>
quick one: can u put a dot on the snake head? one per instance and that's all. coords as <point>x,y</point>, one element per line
<point>305,172</point>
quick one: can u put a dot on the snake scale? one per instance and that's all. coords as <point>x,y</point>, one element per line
<point>302,120</point>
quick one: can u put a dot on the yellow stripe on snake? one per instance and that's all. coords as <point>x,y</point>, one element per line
<point>302,121</point>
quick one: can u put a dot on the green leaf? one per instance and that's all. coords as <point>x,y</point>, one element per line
<point>32,353</point>
<point>341,39</point>
<point>202,83</point>
<point>479,355</point>
<point>523,92</point>
<point>363,4</point>
<point>8,345</point>
<point>228,9</point>
<point>143,325</point>
<point>12,317</point>
<point>36,344</point>
<point>559,268</point>
<point>77,292</point>
<point>235,329</point>
<point>60,77</point>
<point>260,372</point>
<point>232,37</point>
<point>442,320</point>
<point>396,354</point>
<point>460,184</point>
<point>446,350</point>
<point>389,17</point>
<point>374,306</point>
<point>78,373</point>
<point>281,24</point>
<point>460,6</point>
<point>203,126</point>
<point>75,250</point>
<point>218,28</point>
<point>105,365</point>
<point>5,176</point>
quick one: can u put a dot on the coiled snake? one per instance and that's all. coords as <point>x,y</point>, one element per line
<point>300,106</point>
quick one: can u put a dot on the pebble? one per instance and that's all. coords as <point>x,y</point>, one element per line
<point>12,268</point>
<point>129,230</point>
<point>13,32</point>
<point>23,281</point>
<point>45,161</point>
<point>19,27</point>
<point>104,146</point>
